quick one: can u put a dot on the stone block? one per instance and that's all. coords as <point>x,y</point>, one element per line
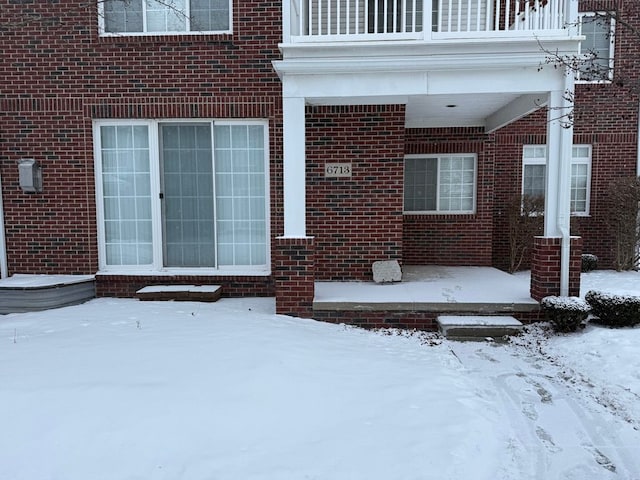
<point>386,271</point>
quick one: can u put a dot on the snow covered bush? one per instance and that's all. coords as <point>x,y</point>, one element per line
<point>566,314</point>
<point>589,262</point>
<point>614,310</point>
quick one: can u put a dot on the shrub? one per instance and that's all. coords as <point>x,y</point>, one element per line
<point>525,221</point>
<point>589,262</point>
<point>566,314</point>
<point>621,212</point>
<point>614,310</point>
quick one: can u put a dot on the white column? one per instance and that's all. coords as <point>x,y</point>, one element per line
<point>294,167</point>
<point>558,187</point>
<point>3,251</point>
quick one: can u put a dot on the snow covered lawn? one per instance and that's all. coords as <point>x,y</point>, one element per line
<point>123,390</point>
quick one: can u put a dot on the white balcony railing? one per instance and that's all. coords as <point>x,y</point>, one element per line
<point>341,20</point>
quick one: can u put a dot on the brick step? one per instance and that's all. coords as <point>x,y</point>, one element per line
<point>477,327</point>
<point>188,293</point>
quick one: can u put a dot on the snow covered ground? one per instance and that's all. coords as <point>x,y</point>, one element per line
<point>127,390</point>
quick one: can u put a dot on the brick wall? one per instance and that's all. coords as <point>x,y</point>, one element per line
<point>295,264</point>
<point>355,220</point>
<point>58,75</point>
<point>52,231</point>
<point>453,239</point>
<point>545,267</point>
<point>127,285</point>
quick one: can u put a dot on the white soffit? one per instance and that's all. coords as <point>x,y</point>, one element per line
<point>429,111</point>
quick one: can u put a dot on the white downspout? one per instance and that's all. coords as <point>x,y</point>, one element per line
<point>3,250</point>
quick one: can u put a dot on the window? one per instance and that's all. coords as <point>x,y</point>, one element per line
<point>534,175</point>
<point>444,183</point>
<point>182,194</point>
<point>598,47</point>
<point>133,17</point>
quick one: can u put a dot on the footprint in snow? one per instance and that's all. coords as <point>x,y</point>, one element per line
<point>600,458</point>
<point>547,440</point>
<point>529,411</point>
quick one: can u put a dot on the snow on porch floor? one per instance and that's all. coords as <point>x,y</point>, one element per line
<point>432,286</point>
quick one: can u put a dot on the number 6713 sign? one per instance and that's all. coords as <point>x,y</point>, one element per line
<point>337,170</point>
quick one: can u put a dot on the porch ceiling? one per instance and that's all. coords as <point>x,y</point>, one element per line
<point>488,110</point>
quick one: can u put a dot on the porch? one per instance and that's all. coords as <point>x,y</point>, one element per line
<point>425,293</point>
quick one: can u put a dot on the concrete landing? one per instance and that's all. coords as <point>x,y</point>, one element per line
<point>477,327</point>
<point>188,293</point>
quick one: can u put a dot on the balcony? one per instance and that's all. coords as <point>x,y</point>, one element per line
<point>312,21</point>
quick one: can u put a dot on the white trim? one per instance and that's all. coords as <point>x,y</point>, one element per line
<point>103,33</point>
<point>437,211</point>
<point>157,266</point>
<point>3,245</point>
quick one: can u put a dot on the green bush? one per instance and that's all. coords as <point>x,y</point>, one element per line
<point>589,262</point>
<point>566,314</point>
<point>614,310</point>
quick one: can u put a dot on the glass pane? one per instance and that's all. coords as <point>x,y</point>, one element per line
<point>126,193</point>
<point>457,178</point>
<point>163,16</point>
<point>580,152</point>
<point>420,184</point>
<point>596,46</point>
<point>188,195</point>
<point>579,186</point>
<point>533,183</point>
<point>240,194</point>
<point>222,137</point>
<point>209,15</point>
<point>121,16</point>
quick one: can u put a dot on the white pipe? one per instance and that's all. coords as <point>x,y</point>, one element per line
<point>3,250</point>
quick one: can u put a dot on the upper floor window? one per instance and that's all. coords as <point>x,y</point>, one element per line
<point>597,47</point>
<point>139,17</point>
<point>440,184</point>
<point>534,168</point>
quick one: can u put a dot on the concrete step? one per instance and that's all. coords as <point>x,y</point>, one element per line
<point>477,327</point>
<point>188,293</point>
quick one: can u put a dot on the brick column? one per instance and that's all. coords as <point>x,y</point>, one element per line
<point>295,276</point>
<point>545,266</point>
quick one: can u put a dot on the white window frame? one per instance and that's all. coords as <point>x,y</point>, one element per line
<point>145,33</point>
<point>574,161</point>
<point>612,31</point>
<point>157,266</point>
<point>437,211</point>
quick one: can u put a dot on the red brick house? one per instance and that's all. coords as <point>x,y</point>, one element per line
<point>266,145</point>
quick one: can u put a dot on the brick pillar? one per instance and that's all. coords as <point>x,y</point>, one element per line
<point>545,267</point>
<point>295,276</point>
